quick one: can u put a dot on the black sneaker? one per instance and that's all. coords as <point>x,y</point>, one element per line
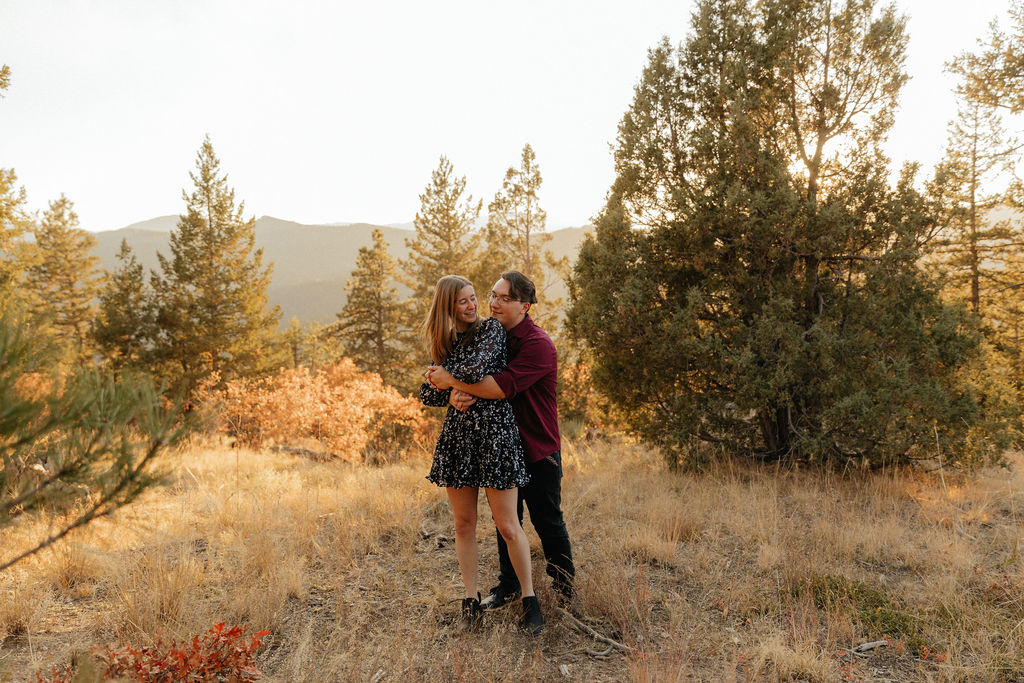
<point>532,620</point>
<point>471,613</point>
<point>499,597</point>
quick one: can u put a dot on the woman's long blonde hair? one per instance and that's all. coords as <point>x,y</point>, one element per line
<point>439,327</point>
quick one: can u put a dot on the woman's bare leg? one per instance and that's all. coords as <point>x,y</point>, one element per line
<point>503,509</point>
<point>463,503</point>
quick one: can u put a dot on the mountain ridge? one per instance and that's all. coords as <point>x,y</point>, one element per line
<point>311,262</point>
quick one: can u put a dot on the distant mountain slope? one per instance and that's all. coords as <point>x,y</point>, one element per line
<point>158,224</point>
<point>312,263</point>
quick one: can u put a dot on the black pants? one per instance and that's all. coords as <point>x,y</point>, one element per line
<point>543,498</point>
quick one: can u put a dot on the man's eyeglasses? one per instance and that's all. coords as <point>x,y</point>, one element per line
<point>503,298</point>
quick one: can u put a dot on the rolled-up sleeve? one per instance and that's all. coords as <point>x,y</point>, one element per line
<point>535,359</point>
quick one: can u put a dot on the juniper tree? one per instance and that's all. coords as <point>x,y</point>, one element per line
<point>376,326</point>
<point>63,277</point>
<point>124,321</point>
<point>211,292</point>
<point>445,242</point>
<point>753,279</point>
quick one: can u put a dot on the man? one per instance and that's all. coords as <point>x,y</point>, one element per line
<point>529,385</point>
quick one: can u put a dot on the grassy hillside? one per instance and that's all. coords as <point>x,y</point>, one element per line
<point>742,573</point>
<point>312,263</point>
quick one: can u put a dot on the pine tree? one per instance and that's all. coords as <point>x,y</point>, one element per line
<point>978,247</point>
<point>63,278</point>
<point>79,446</point>
<point>445,242</point>
<point>995,75</point>
<point>313,345</point>
<point>293,339</point>
<point>977,181</point>
<point>13,222</point>
<point>753,281</point>
<point>516,236</point>
<point>124,321</point>
<point>375,326</point>
<point>211,293</point>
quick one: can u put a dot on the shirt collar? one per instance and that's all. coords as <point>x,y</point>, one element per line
<point>522,327</point>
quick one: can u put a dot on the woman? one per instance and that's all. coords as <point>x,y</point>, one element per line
<point>478,448</point>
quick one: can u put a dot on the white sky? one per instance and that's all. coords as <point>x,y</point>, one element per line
<point>338,111</point>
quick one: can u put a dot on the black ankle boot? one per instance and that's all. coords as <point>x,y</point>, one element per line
<point>471,613</point>
<point>532,620</point>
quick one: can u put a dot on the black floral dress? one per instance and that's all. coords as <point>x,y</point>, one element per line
<point>482,446</point>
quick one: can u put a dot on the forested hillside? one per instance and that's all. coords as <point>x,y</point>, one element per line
<point>312,263</point>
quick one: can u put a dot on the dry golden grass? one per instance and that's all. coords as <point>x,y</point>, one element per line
<point>741,573</point>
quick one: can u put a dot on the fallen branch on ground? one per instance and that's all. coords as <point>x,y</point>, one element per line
<point>580,626</point>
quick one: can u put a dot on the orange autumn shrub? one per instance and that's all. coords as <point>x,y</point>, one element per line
<point>350,413</point>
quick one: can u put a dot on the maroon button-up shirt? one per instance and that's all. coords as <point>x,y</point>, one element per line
<point>529,385</point>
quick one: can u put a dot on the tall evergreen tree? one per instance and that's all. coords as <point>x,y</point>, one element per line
<point>516,237</point>
<point>978,245</point>
<point>211,293</point>
<point>752,281</point>
<point>979,178</point>
<point>63,279</point>
<point>313,345</point>
<point>13,221</point>
<point>375,327</point>
<point>445,242</point>
<point>995,75</point>
<point>515,220</point>
<point>124,321</point>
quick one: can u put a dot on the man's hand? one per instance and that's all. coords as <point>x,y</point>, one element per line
<point>460,400</point>
<point>439,378</point>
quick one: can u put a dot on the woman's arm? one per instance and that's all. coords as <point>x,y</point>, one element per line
<point>486,353</point>
<point>485,388</point>
<point>437,398</point>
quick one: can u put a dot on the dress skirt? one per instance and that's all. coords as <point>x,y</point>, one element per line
<point>480,447</point>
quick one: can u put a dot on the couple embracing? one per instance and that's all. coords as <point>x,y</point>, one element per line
<point>497,376</point>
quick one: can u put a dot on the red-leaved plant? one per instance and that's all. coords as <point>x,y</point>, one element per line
<point>220,654</point>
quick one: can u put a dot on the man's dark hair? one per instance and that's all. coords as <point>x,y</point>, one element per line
<point>520,287</point>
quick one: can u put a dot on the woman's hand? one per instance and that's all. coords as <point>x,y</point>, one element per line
<point>439,378</point>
